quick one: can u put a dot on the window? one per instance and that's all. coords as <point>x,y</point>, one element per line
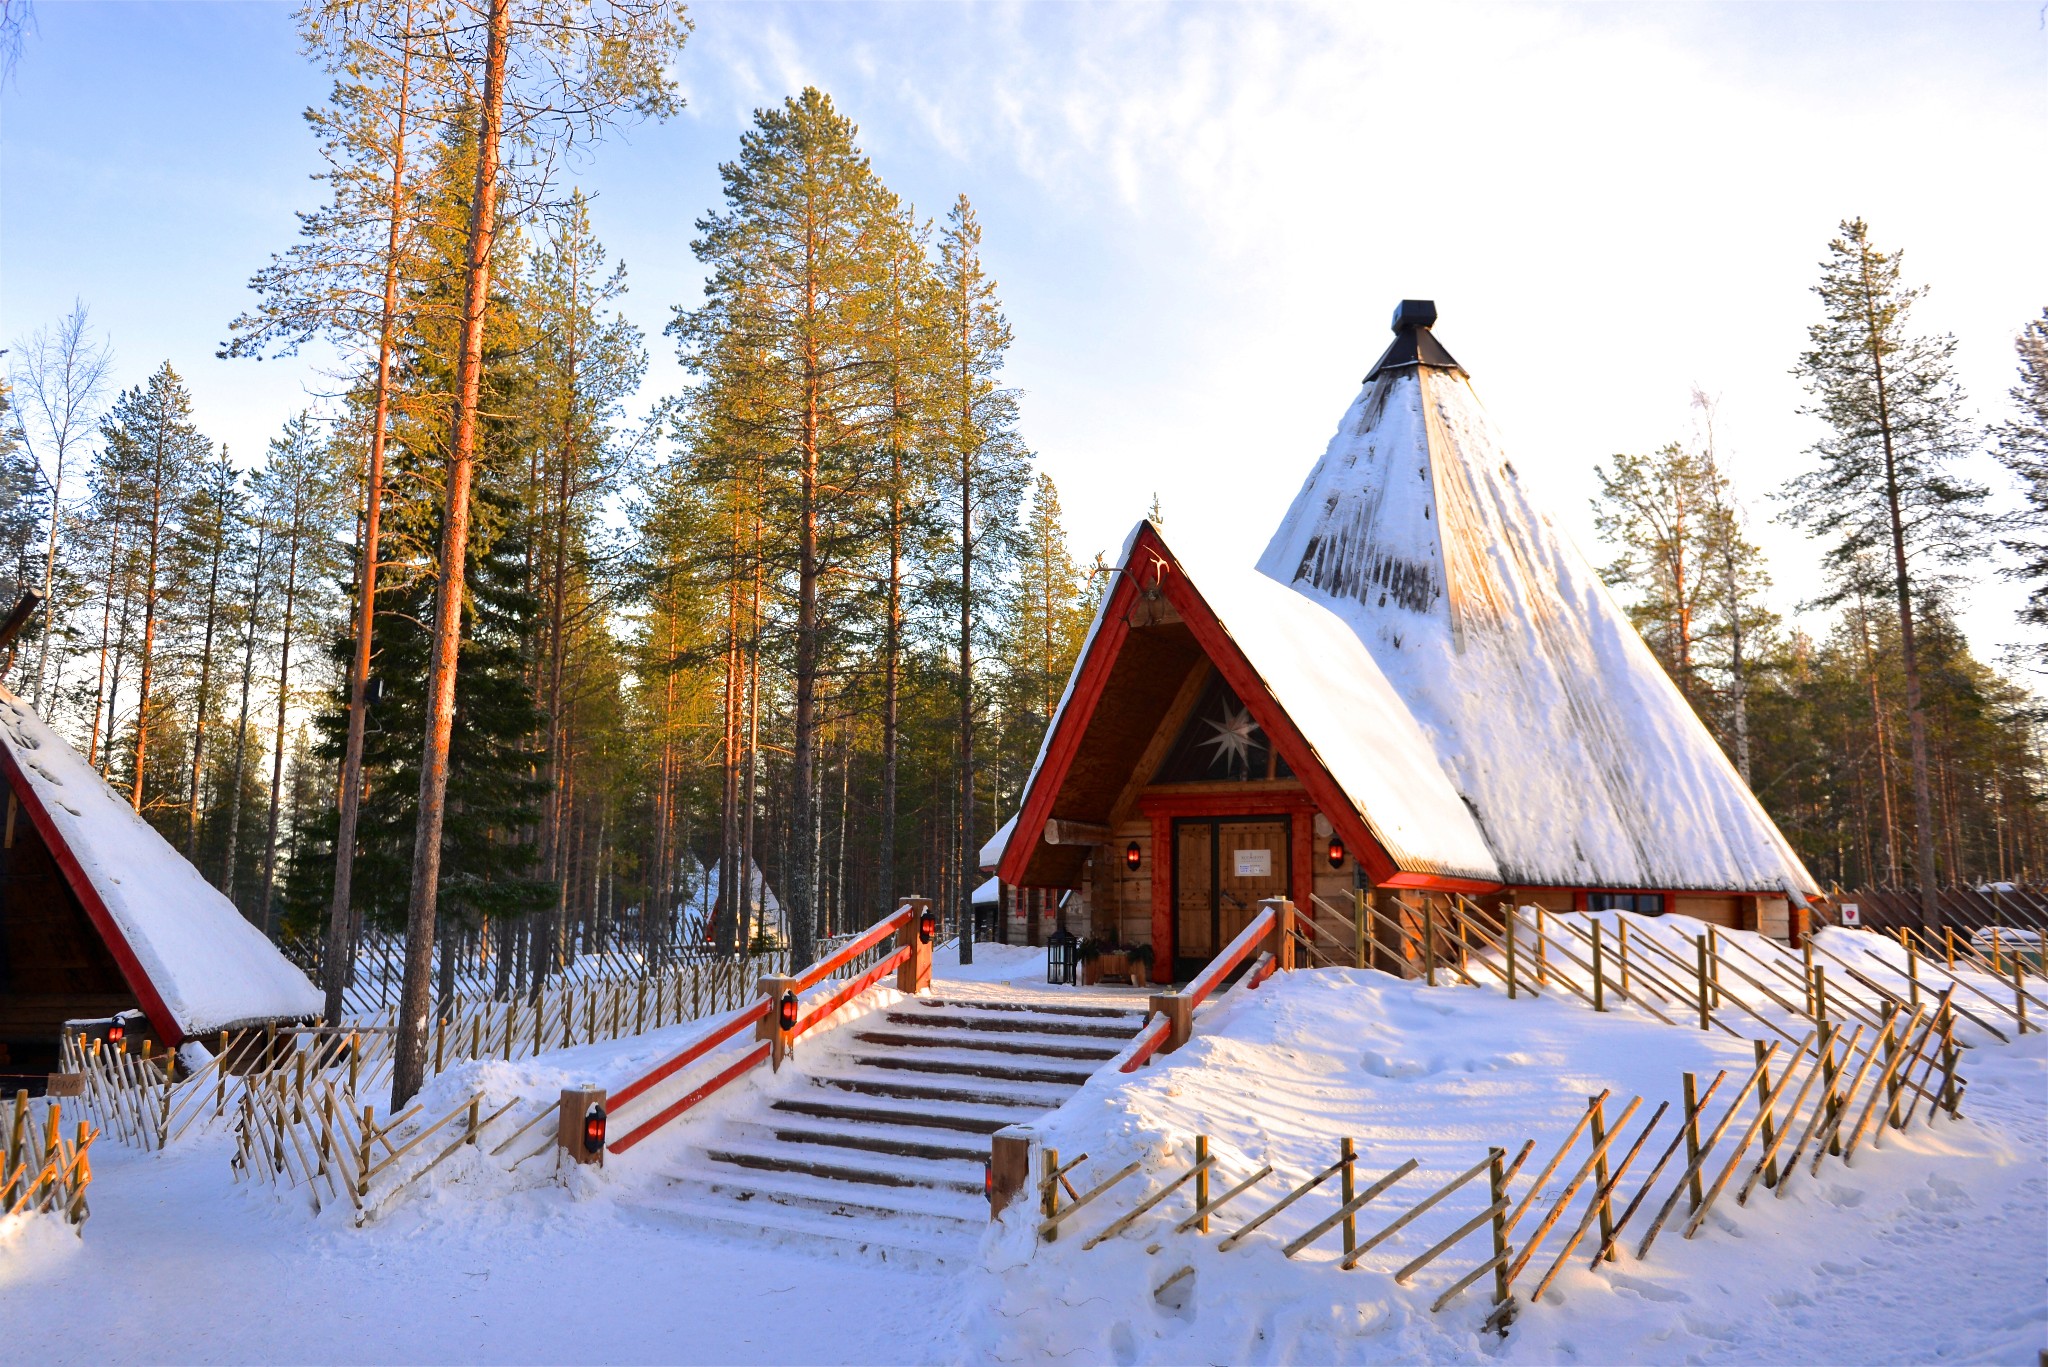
<point>1643,903</point>
<point>1220,741</point>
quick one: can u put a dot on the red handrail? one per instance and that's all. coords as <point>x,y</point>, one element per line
<point>1247,940</point>
<point>750,1059</point>
<point>1148,1041</point>
<point>809,978</point>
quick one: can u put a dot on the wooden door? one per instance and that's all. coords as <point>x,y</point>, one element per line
<point>1194,869</point>
<point>1251,865</point>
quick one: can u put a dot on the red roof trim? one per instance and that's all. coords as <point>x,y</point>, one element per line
<point>1149,565</point>
<point>167,1028</point>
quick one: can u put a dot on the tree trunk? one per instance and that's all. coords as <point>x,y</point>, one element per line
<point>149,597</point>
<point>409,1067</point>
<point>99,701</point>
<point>340,915</point>
<point>205,685</point>
<point>227,877</point>
<point>892,666</point>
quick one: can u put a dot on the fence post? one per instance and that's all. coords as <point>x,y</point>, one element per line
<point>1950,933</point>
<point>1599,986</point>
<point>1948,1065</point>
<point>914,974</point>
<point>1428,940</point>
<point>1202,1178</point>
<point>363,1162</point>
<point>1513,922</point>
<point>1763,1092</point>
<point>1599,1133</point>
<point>1497,1189</point>
<point>769,1027</point>
<point>2019,986</point>
<point>1813,1002</point>
<point>1706,1001</point>
<point>1621,929</point>
<point>1714,962</point>
<point>1692,1136</point>
<point>1049,1198</point>
<point>1180,1018</point>
<point>1912,971</point>
<point>1280,943</point>
<point>1347,1154</point>
<point>1542,950</point>
<point>1358,927</point>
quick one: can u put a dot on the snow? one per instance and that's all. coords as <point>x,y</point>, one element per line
<point>1958,1213</point>
<point>992,852</point>
<point>1932,1247</point>
<point>766,909</point>
<point>212,968</point>
<point>989,892</point>
<point>993,963</point>
<point>1583,764</point>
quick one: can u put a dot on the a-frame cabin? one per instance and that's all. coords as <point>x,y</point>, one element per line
<point>100,916</point>
<point>1421,686</point>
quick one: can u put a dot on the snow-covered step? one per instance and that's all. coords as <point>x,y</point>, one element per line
<point>1037,1047</point>
<point>1010,1023</point>
<point>1133,1015</point>
<point>944,1112</point>
<point>867,1169</point>
<point>906,1141</point>
<point>818,1223</point>
<point>1024,1070</point>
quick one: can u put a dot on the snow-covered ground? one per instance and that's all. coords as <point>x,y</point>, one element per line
<point>1931,1248</point>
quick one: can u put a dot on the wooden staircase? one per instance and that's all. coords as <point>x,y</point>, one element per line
<point>875,1134</point>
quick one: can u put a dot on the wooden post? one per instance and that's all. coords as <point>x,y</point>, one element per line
<point>441,1038</point>
<point>1828,1068</point>
<point>1763,1094</point>
<point>769,1027</point>
<point>1599,1134</point>
<point>1948,1065</point>
<point>914,975</point>
<point>1599,986</point>
<point>1949,933</point>
<point>640,1007</point>
<point>1542,951</point>
<point>577,1103</point>
<point>1009,1167</point>
<point>369,1132</point>
<point>1513,921</point>
<point>1912,971</point>
<point>1813,1005</point>
<point>1997,963</point>
<point>1358,928</point>
<point>1621,927</point>
<point>1049,1198</point>
<point>1714,961</point>
<point>2019,986</point>
<point>1280,943</point>
<point>1202,1178</point>
<point>1692,1137</point>
<point>1347,1154</point>
<point>1497,1191</point>
<point>1180,1018</point>
<point>471,1135</point>
<point>1428,940</point>
<point>1706,1000</point>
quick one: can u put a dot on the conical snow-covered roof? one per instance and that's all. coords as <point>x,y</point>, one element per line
<point>1576,754</point>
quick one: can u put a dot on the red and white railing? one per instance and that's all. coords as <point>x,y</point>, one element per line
<point>1261,928</point>
<point>902,923</point>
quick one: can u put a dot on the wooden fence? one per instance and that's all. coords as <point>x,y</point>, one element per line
<point>1964,910</point>
<point>49,1173</point>
<point>1817,1099</point>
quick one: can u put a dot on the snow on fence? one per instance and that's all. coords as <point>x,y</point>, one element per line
<point>47,1175</point>
<point>1682,972</point>
<point>1907,1068</point>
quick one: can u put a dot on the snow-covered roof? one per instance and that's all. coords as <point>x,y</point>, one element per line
<point>1580,760</point>
<point>992,852</point>
<point>203,966</point>
<point>988,892</point>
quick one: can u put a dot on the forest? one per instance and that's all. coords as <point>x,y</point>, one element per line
<point>813,612</point>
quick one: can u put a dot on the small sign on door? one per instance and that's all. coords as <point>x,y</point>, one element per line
<point>1254,863</point>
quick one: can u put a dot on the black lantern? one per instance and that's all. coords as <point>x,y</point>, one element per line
<point>1336,853</point>
<point>593,1130</point>
<point>116,1032</point>
<point>927,926</point>
<point>1059,958</point>
<point>1133,856</point>
<point>785,1012</point>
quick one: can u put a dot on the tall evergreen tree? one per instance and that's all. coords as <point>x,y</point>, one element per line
<point>984,466</point>
<point>1886,482</point>
<point>2023,449</point>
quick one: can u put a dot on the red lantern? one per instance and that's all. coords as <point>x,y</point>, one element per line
<point>988,1179</point>
<point>116,1032</point>
<point>593,1130</point>
<point>1336,852</point>
<point>785,1012</point>
<point>927,926</point>
<point>1133,856</point>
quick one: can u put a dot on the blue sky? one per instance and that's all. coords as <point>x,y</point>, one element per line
<point>1201,215</point>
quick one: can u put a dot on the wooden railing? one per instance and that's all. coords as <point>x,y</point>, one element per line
<point>1174,1012</point>
<point>913,950</point>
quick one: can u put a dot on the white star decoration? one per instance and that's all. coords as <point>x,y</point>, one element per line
<point>1235,736</point>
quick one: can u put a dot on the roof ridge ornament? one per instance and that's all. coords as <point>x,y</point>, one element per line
<point>1414,344</point>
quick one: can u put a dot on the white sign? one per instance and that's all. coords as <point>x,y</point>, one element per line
<point>1254,863</point>
<point>1852,915</point>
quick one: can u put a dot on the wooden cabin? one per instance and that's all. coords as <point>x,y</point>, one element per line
<point>100,916</point>
<point>1421,688</point>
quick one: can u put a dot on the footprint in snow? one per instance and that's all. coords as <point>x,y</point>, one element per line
<point>1379,1065</point>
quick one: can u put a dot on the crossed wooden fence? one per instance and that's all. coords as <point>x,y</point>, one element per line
<point>1854,1090</point>
<point>47,1176</point>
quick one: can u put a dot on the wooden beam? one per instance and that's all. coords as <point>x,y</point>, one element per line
<point>1058,832</point>
<point>1162,740</point>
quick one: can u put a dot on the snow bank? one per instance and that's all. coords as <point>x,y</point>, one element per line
<point>993,963</point>
<point>1281,1074</point>
<point>209,966</point>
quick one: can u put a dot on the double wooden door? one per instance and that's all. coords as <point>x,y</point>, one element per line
<point>1223,867</point>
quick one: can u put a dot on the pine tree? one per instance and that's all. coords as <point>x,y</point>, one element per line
<point>984,466</point>
<point>212,524</point>
<point>2023,449</point>
<point>1885,483</point>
